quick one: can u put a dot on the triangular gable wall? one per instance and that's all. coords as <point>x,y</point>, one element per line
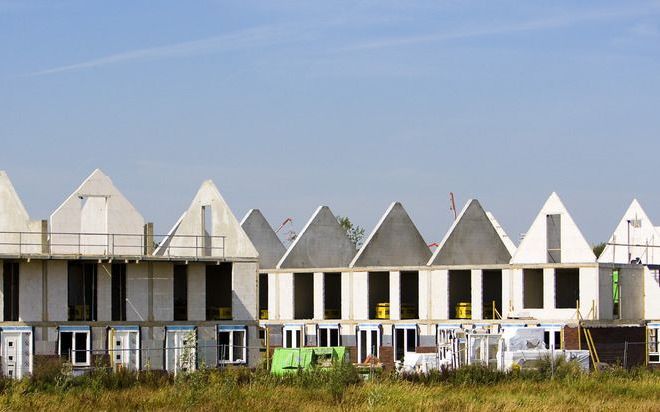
<point>471,240</point>
<point>13,215</point>
<point>14,218</point>
<point>508,243</point>
<point>189,238</point>
<point>98,207</point>
<point>574,247</point>
<point>634,228</point>
<point>395,241</point>
<point>322,243</point>
<point>263,238</point>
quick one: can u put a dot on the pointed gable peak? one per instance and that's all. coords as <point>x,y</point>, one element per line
<point>395,241</point>
<point>97,172</point>
<point>322,243</point>
<point>263,237</point>
<point>13,215</point>
<point>209,188</point>
<point>471,240</point>
<point>554,237</point>
<point>630,238</point>
<point>208,215</point>
<point>253,214</point>
<point>98,184</point>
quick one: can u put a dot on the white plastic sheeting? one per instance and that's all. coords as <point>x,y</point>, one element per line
<point>520,339</point>
<point>530,359</point>
<point>422,363</point>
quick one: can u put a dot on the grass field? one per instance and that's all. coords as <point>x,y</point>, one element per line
<point>236,389</point>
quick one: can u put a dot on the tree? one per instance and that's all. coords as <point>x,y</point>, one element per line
<point>354,232</point>
<point>598,249</point>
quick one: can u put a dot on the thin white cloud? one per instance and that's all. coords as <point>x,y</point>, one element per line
<point>255,37</point>
<point>645,30</point>
<point>532,25</point>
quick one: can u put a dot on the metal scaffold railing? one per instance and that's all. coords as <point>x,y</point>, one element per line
<point>110,244</point>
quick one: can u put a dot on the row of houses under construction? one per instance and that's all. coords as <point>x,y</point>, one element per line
<point>93,281</point>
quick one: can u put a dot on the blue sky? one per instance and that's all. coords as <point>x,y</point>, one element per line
<point>288,105</point>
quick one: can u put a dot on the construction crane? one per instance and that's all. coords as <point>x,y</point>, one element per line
<point>291,235</point>
<point>452,204</point>
<point>286,221</point>
<point>452,207</point>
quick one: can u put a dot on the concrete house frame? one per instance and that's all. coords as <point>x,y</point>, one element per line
<point>630,268</point>
<point>307,295</point>
<point>388,287</point>
<point>270,249</point>
<point>471,265</point>
<point>554,269</point>
<point>97,284</point>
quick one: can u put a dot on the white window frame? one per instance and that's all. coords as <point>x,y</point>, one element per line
<point>123,334</point>
<point>479,348</point>
<point>19,351</point>
<point>451,341</point>
<point>653,339</point>
<point>296,341</point>
<point>406,330</point>
<point>88,348</point>
<point>552,330</point>
<point>233,332</point>
<point>368,329</point>
<point>179,333</point>
<point>325,329</point>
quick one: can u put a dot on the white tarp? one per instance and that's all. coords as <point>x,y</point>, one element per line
<point>531,359</point>
<point>516,339</point>
<point>422,363</point>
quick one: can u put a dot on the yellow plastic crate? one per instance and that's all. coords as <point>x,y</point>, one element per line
<point>383,311</point>
<point>224,313</point>
<point>408,311</point>
<point>464,310</point>
<point>332,313</point>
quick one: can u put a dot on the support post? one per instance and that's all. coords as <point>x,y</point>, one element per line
<point>44,237</point>
<point>149,238</point>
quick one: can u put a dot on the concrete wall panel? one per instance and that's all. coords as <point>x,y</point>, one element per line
<point>651,293</point>
<point>30,308</point>
<point>58,285</point>
<point>286,295</point>
<point>196,291</point>
<point>440,294</point>
<point>476,285</point>
<point>163,293</point>
<point>137,292</point>
<point>104,292</point>
<point>360,295</point>
<point>245,299</point>
<point>319,295</point>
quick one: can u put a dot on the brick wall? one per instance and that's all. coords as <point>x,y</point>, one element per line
<point>387,357</point>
